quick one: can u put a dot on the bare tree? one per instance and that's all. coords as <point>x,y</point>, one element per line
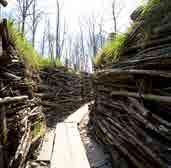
<point>101,33</point>
<point>76,56</point>
<point>60,31</point>
<point>70,43</point>
<point>35,18</point>
<point>51,41</point>
<point>95,34</point>
<point>92,35</point>
<point>82,47</point>
<point>24,11</point>
<point>43,41</point>
<point>82,50</point>
<point>87,43</point>
<point>114,16</point>
<point>62,38</point>
<point>68,50</point>
<point>84,56</point>
<point>116,11</point>
<point>57,29</point>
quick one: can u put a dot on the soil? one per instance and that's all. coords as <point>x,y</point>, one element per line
<point>97,156</point>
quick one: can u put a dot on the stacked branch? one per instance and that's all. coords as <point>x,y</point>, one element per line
<point>131,114</point>
<point>18,105</point>
<point>62,92</point>
<point>86,86</point>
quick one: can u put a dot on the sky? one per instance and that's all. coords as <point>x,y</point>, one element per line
<point>75,11</point>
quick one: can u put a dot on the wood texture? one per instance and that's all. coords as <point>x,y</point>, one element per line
<point>45,153</point>
<point>131,112</point>
<point>68,148</point>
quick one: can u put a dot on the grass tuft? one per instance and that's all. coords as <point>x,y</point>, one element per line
<point>37,129</point>
<point>111,51</point>
<point>147,6</point>
<point>27,52</point>
<point>47,62</point>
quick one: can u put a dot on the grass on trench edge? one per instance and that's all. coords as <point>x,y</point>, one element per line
<point>27,52</point>
<point>112,49</point>
<point>38,128</point>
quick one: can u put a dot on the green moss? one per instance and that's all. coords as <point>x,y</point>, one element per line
<point>111,51</point>
<point>37,128</point>
<point>27,52</point>
<point>47,62</point>
<point>148,6</point>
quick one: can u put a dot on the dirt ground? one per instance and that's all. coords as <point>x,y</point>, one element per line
<point>97,156</point>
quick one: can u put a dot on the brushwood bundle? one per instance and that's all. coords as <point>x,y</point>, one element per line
<point>20,112</point>
<point>63,91</point>
<point>131,113</point>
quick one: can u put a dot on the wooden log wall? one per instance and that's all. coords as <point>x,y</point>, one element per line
<point>19,108</point>
<point>63,91</point>
<point>131,113</point>
<point>26,93</point>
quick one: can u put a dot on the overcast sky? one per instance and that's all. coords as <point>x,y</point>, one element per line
<point>75,11</point>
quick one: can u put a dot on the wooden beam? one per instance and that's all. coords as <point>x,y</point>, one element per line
<point>7,100</point>
<point>47,147</point>
<point>68,148</point>
<point>150,97</point>
<point>164,74</point>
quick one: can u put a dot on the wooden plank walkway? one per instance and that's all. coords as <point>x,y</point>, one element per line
<point>47,147</point>
<point>63,148</point>
<point>77,116</point>
<point>68,148</point>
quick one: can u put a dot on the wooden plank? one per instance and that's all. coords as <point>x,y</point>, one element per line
<point>79,154</point>
<point>47,147</point>
<point>60,156</point>
<point>78,115</point>
<point>68,148</point>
